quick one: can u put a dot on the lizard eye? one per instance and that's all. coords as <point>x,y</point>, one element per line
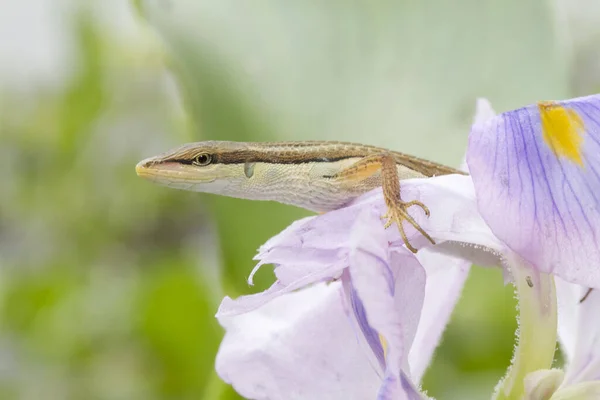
<point>202,159</point>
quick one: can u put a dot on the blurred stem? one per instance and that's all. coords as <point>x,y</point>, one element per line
<point>537,328</point>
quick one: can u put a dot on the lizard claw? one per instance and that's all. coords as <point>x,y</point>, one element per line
<point>418,204</point>
<point>398,213</point>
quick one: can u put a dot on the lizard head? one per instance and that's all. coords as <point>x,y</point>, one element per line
<point>212,167</point>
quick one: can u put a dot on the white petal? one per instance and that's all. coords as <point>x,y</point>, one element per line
<point>541,384</point>
<point>483,112</point>
<point>579,331</point>
<point>446,276</point>
<point>251,302</point>
<point>299,346</point>
<point>581,391</point>
<point>454,215</point>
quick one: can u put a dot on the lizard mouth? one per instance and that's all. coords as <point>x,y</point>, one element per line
<point>170,173</point>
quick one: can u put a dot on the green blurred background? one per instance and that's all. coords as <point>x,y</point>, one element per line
<point>109,285</point>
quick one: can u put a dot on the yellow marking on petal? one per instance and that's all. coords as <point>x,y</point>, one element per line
<point>563,129</point>
<point>384,345</point>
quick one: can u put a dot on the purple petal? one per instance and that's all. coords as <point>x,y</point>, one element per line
<point>536,171</point>
<point>370,335</point>
<point>579,331</point>
<point>391,287</point>
<point>299,346</point>
<point>398,388</point>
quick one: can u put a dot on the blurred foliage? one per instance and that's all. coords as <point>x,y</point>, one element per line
<point>103,290</point>
<point>109,285</point>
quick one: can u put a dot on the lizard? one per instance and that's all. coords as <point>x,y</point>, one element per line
<point>319,176</point>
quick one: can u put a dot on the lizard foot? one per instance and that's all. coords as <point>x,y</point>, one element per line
<point>398,213</point>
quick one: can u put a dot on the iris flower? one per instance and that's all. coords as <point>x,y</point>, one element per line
<point>353,314</point>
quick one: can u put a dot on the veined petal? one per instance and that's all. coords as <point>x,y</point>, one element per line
<point>536,171</point>
<point>579,332</point>
<point>299,346</point>
<point>366,335</point>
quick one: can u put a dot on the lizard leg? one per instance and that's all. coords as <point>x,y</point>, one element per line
<point>390,182</point>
